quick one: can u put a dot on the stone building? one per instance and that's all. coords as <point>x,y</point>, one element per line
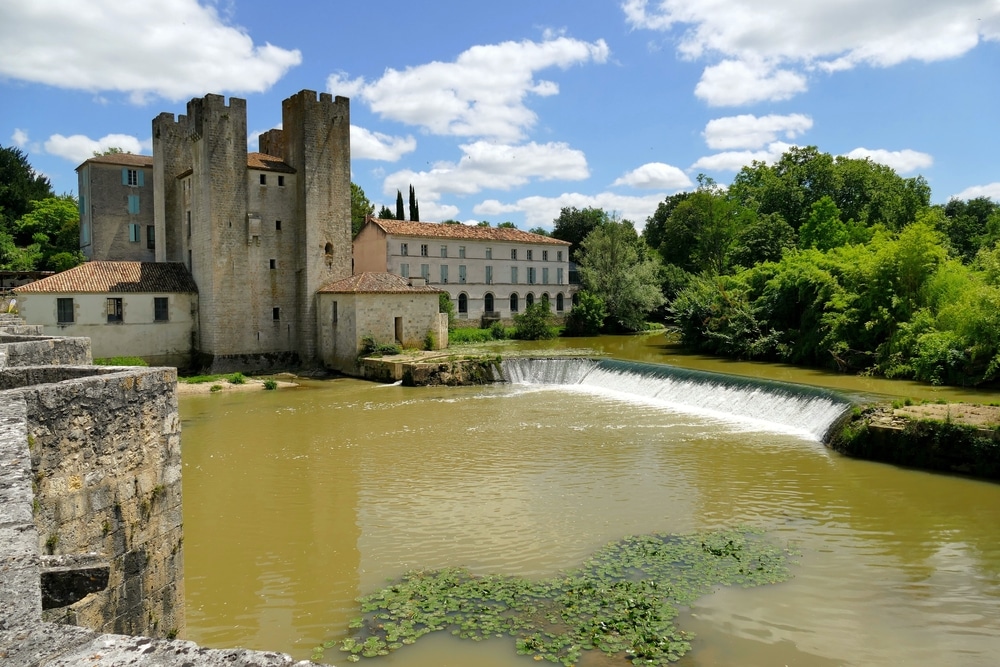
<point>258,234</point>
<point>489,272</point>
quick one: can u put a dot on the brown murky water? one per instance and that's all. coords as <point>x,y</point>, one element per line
<point>298,501</point>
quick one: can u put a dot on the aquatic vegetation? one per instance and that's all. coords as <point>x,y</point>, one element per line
<point>622,601</point>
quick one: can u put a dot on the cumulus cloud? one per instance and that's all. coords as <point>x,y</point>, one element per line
<point>777,41</point>
<point>904,161</point>
<point>20,137</point>
<point>180,50</point>
<point>753,132</point>
<point>736,160</point>
<point>368,145</point>
<point>493,166</point>
<point>991,190</point>
<point>541,211</point>
<point>481,94</point>
<point>77,148</point>
<point>655,175</point>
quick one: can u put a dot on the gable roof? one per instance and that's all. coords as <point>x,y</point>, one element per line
<point>117,278</point>
<point>268,163</point>
<point>440,230</point>
<point>121,159</point>
<point>374,283</point>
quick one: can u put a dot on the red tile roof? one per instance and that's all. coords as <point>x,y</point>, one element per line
<point>375,283</point>
<point>117,277</point>
<point>268,163</point>
<point>459,232</point>
<point>123,159</point>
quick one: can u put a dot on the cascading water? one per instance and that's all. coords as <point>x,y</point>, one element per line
<point>808,410</point>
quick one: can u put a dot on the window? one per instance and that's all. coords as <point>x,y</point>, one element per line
<point>545,276</point>
<point>444,251</point>
<point>489,275</point>
<point>133,204</point>
<point>85,232</point>
<point>425,272</point>
<point>160,312</point>
<point>281,181</point>
<point>461,273</point>
<point>423,250</point>
<point>559,276</point>
<point>276,314</point>
<point>114,309</point>
<point>559,302</point>
<point>263,179</point>
<point>334,312</point>
<point>545,255</point>
<point>513,275</point>
<point>404,270</point>
<point>530,254</point>
<point>531,275</point>
<point>559,255</point>
<point>461,252</point>
<point>488,302</point>
<point>463,304</point>
<point>404,249</point>
<point>489,253</point>
<point>83,208</point>
<point>513,253</point>
<point>133,233</point>
<point>64,310</point>
<point>151,237</point>
<point>189,223</point>
<point>444,273</point>
<point>132,177</point>
<point>272,264</point>
<point>529,299</point>
<point>513,303</point>
<point>277,225</point>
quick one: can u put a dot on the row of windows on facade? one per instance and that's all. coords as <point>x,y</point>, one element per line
<point>404,250</point>
<point>515,302</point>
<point>66,310</point>
<point>281,180</point>
<point>532,274</point>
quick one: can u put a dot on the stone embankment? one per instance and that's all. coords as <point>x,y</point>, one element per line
<point>948,437</point>
<point>91,543</point>
<point>425,369</point>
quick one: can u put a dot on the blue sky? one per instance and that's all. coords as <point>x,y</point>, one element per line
<point>513,110</point>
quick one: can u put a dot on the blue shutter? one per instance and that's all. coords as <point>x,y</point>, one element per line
<point>141,179</point>
<point>124,175</point>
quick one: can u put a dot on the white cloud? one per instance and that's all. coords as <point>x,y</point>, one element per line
<point>904,161</point>
<point>749,131</point>
<point>541,211</point>
<point>20,137</point>
<point>368,145</point>
<point>77,148</point>
<point>655,175</point>
<point>485,165</point>
<point>991,190</point>
<point>182,49</point>
<point>775,42</point>
<point>736,160</point>
<point>481,94</point>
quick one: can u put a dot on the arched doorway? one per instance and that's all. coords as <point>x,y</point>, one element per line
<point>513,303</point>
<point>463,304</point>
<point>529,299</point>
<point>559,302</point>
<point>488,302</point>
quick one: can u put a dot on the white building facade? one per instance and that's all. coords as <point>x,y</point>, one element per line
<point>489,272</point>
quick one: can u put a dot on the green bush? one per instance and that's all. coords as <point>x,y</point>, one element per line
<point>371,347</point>
<point>587,317</point>
<point>270,384</point>
<point>120,361</point>
<point>534,323</point>
<point>237,378</point>
<point>498,331</point>
<point>469,335</point>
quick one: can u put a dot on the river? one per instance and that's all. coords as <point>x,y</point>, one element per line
<point>298,501</point>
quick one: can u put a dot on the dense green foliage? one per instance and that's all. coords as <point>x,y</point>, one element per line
<point>621,602</point>
<point>535,323</point>
<point>361,208</point>
<point>38,230</point>
<point>574,225</point>
<point>587,316</point>
<point>835,262</point>
<point>414,206</point>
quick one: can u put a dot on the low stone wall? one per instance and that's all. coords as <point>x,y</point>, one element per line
<point>22,350</point>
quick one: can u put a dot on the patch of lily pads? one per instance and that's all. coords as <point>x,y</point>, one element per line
<point>622,601</point>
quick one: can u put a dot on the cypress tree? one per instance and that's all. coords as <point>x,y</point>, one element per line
<point>414,208</point>
<point>399,205</point>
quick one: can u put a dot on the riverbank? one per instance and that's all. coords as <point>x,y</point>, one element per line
<point>225,384</point>
<point>944,437</point>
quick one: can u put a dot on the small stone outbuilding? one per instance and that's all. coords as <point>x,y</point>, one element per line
<point>386,307</point>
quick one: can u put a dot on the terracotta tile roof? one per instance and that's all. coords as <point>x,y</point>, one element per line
<point>470,232</point>
<point>123,159</point>
<point>117,277</point>
<point>374,283</point>
<point>268,163</point>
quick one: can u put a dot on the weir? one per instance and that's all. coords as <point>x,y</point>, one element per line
<point>808,410</point>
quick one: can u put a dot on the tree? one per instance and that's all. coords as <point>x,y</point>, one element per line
<point>385,213</point>
<point>361,208</point>
<point>616,266</point>
<point>399,206</point>
<point>446,305</point>
<point>507,225</point>
<point>587,317</point>
<point>414,207</point>
<point>823,228</point>
<point>451,222</point>
<point>483,223</point>
<point>574,224</point>
<point>655,232</point>
<point>110,150</point>
<point>50,233</point>
<point>541,231</point>
<point>19,186</point>
<point>533,323</point>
